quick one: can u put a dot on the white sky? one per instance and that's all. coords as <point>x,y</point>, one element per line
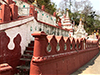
<point>95,4</point>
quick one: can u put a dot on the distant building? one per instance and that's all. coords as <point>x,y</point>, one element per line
<point>66,23</point>
<point>80,31</point>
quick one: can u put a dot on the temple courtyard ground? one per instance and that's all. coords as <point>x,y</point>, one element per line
<point>91,68</point>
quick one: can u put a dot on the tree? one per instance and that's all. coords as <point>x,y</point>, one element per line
<point>66,4</point>
<point>63,4</point>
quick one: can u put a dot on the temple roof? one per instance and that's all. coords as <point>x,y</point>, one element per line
<point>80,30</point>
<point>66,21</point>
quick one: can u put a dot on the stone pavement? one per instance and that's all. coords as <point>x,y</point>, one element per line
<point>91,68</point>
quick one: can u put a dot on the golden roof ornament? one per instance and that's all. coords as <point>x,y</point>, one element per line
<point>80,19</point>
<point>67,14</point>
<point>94,31</point>
<point>80,23</point>
<point>35,3</point>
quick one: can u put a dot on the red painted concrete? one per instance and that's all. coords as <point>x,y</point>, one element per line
<point>53,42</point>
<point>0,3</point>
<point>4,13</point>
<point>62,62</point>
<point>25,0</point>
<point>38,45</point>
<point>9,1</point>
<point>10,56</point>
<point>32,10</point>
<point>14,10</point>
<point>43,7</point>
<point>35,16</point>
<point>5,69</point>
<point>59,22</point>
<point>61,42</point>
<point>54,14</point>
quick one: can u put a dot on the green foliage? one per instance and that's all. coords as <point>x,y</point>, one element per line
<point>76,17</point>
<point>82,9</point>
<point>89,21</point>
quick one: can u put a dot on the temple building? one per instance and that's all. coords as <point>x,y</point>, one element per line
<point>66,23</point>
<point>80,33</point>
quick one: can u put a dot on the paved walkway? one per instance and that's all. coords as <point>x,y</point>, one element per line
<point>91,68</point>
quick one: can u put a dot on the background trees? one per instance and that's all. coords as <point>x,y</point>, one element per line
<point>83,9</point>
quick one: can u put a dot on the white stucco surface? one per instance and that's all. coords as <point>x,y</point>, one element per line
<point>25,33</point>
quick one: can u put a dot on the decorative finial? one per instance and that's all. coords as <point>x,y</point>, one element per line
<point>94,31</point>
<point>35,0</point>
<point>35,3</point>
<point>67,14</point>
<point>80,22</point>
<point>80,19</point>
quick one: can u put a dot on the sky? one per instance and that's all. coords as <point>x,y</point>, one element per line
<point>95,4</point>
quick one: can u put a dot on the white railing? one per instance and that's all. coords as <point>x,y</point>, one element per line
<point>45,17</point>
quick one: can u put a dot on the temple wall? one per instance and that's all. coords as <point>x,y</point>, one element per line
<point>60,55</point>
<point>23,8</point>
<point>16,30</point>
<point>45,17</point>
<point>21,27</point>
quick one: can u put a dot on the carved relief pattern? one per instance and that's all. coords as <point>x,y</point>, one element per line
<point>10,56</point>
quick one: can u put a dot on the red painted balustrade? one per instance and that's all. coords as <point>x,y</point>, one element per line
<point>12,57</point>
<point>58,55</point>
<point>4,13</point>
<point>8,11</point>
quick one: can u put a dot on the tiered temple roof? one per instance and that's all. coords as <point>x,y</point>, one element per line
<point>66,23</point>
<point>80,30</point>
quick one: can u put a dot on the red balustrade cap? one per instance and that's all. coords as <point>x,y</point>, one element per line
<point>39,34</point>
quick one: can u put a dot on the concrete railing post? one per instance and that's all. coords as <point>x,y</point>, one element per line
<point>43,7</point>
<point>9,1</point>
<point>39,44</point>
<point>4,13</point>
<point>54,14</point>
<point>5,69</point>
<point>32,10</point>
<point>59,22</point>
<point>14,10</point>
<point>35,15</point>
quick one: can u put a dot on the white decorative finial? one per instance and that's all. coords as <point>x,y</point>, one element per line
<point>67,14</point>
<point>80,21</point>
